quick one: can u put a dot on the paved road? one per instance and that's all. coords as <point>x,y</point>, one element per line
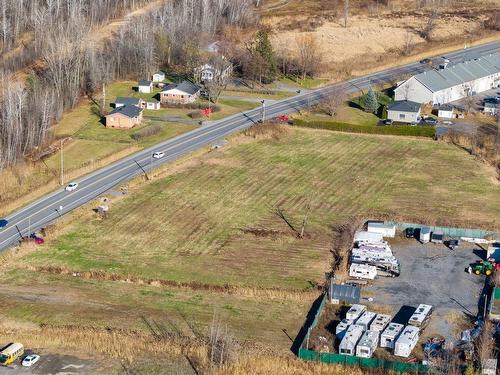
<point>47,209</point>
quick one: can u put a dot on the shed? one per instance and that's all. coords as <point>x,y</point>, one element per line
<point>390,335</point>
<point>367,237</point>
<point>348,344</point>
<point>344,293</point>
<point>159,77</point>
<point>445,111</point>
<point>367,344</point>
<point>406,341</point>
<point>153,105</point>
<point>386,230</point>
<point>145,86</point>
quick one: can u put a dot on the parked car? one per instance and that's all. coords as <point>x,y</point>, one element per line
<point>430,120</point>
<point>72,186</point>
<point>388,121</point>
<point>3,223</point>
<point>30,360</point>
<point>158,154</point>
<point>425,61</point>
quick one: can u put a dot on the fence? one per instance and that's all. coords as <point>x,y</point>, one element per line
<point>452,232</point>
<point>311,355</point>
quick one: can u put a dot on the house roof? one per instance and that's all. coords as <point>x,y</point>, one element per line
<point>126,100</point>
<point>185,86</point>
<point>130,111</point>
<point>456,74</point>
<point>446,107</point>
<point>144,82</point>
<point>404,106</point>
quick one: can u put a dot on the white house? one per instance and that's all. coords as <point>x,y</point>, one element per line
<point>452,82</point>
<point>218,68</point>
<point>445,111</point>
<point>404,111</point>
<point>145,86</point>
<point>158,77</point>
<point>183,93</point>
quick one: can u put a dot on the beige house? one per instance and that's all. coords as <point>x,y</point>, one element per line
<point>183,93</point>
<point>124,117</point>
<point>404,111</point>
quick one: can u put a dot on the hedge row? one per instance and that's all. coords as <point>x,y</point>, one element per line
<point>416,131</point>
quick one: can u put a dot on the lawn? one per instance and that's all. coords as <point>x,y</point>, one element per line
<point>307,83</point>
<point>345,113</point>
<point>197,225</point>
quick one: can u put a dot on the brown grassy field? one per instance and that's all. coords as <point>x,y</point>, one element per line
<point>203,238</point>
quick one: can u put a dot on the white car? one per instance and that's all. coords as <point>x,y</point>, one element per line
<point>158,154</point>
<point>30,360</point>
<point>72,186</point>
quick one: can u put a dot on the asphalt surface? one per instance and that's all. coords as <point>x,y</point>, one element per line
<point>60,202</point>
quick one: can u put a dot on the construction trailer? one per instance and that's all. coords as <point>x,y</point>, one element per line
<point>348,344</point>
<point>365,319</point>
<point>390,335</point>
<point>380,322</point>
<point>406,342</point>
<point>368,237</point>
<point>362,271</point>
<point>386,230</point>
<point>341,329</point>
<point>421,316</point>
<point>367,344</point>
<point>425,234</point>
<point>354,313</point>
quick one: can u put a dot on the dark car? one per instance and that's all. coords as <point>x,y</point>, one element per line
<point>425,61</point>
<point>388,121</point>
<point>3,223</point>
<point>430,120</point>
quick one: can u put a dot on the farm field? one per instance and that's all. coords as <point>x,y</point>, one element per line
<point>203,237</point>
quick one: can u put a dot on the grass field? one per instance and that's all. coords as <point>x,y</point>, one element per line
<point>196,224</point>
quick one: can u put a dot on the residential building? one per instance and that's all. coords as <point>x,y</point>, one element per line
<point>218,68</point>
<point>183,93</point>
<point>159,76</point>
<point>451,82</point>
<point>145,86</point>
<point>404,111</point>
<point>122,101</point>
<point>125,117</point>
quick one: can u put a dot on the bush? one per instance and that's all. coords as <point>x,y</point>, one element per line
<point>146,132</point>
<point>199,114</point>
<point>416,131</point>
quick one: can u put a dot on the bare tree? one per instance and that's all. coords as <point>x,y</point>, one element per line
<point>430,25</point>
<point>331,102</point>
<point>309,55</point>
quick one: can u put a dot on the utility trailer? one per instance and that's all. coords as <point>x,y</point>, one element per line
<point>348,344</point>
<point>421,316</point>
<point>406,341</point>
<point>367,344</point>
<point>390,335</point>
<point>354,313</point>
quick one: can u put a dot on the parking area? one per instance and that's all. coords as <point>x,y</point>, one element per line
<point>55,364</point>
<point>478,99</point>
<point>434,275</point>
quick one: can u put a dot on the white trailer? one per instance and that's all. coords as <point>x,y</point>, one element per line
<point>341,329</point>
<point>421,316</point>
<point>386,266</point>
<point>425,234</point>
<point>365,319</point>
<point>354,313</point>
<point>380,322</point>
<point>406,341</point>
<point>367,344</point>
<point>368,237</point>
<point>377,247</point>
<point>390,335</point>
<point>348,344</point>
<point>362,271</point>
<point>386,230</point>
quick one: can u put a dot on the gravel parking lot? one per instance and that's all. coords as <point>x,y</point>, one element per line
<point>434,275</point>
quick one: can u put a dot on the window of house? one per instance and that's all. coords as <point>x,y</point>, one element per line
<point>401,116</point>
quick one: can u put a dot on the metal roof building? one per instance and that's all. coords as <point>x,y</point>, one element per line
<point>452,83</point>
<point>346,293</point>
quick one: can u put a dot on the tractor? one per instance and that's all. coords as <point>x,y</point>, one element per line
<point>484,267</point>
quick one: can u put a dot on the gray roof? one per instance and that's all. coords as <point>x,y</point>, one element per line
<point>186,86</point>
<point>144,82</point>
<point>346,293</point>
<point>126,100</point>
<point>453,75</point>
<point>446,107</point>
<point>128,110</point>
<point>404,106</point>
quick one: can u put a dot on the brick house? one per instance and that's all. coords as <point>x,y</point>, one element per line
<point>125,117</point>
<point>183,93</point>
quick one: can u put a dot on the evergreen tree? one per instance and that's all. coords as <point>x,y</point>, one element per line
<point>264,48</point>
<point>371,101</point>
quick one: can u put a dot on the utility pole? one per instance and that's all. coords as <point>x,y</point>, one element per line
<point>263,111</point>
<point>62,163</point>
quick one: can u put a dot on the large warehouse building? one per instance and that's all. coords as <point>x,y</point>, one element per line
<point>454,82</point>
